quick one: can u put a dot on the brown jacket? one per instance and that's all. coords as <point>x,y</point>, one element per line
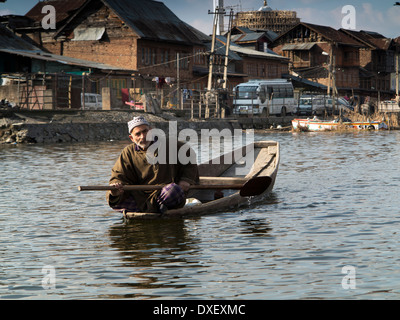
<point>133,168</point>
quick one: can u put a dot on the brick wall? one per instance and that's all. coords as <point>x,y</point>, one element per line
<point>119,52</point>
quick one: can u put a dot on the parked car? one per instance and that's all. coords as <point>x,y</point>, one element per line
<point>323,105</point>
<point>93,101</point>
<point>305,106</point>
<point>389,106</point>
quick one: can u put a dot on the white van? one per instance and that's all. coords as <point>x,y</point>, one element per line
<point>264,97</point>
<point>93,101</point>
<point>389,106</point>
<point>324,105</point>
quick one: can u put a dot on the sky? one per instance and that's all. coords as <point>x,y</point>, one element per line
<point>373,15</point>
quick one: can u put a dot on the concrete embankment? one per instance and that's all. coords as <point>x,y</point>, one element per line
<point>84,126</point>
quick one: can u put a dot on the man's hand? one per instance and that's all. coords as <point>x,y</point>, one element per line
<point>184,185</point>
<point>117,192</point>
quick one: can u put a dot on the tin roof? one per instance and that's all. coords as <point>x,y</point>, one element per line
<point>220,48</point>
<point>257,54</point>
<point>371,39</point>
<point>148,19</point>
<point>328,33</point>
<point>152,20</point>
<point>9,40</point>
<point>12,44</point>
<point>250,52</point>
<point>248,37</point>
<point>332,34</point>
<point>300,46</point>
<point>238,32</point>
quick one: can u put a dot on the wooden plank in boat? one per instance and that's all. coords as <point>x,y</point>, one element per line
<point>222,180</point>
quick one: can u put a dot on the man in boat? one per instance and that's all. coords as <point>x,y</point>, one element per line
<point>133,168</point>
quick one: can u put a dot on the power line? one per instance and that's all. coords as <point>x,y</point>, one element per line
<point>204,53</point>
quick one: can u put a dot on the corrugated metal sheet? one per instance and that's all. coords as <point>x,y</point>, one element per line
<point>257,54</point>
<point>9,40</point>
<point>220,49</point>
<point>88,34</point>
<point>254,36</point>
<point>300,46</point>
<point>235,50</point>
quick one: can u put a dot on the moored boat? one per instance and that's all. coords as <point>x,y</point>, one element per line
<point>331,125</point>
<point>221,171</point>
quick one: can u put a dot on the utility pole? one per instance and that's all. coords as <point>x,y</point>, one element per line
<point>332,77</point>
<point>212,53</point>
<point>397,77</point>
<point>328,92</point>
<point>178,82</point>
<point>228,43</point>
<point>219,4</point>
<point>334,89</point>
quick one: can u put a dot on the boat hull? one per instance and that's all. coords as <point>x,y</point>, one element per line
<point>266,163</point>
<point>327,125</point>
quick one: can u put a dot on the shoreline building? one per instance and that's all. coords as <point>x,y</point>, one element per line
<point>278,21</point>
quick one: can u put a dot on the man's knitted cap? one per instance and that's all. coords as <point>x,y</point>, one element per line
<point>137,121</point>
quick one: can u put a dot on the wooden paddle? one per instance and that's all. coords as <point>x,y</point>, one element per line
<point>249,188</point>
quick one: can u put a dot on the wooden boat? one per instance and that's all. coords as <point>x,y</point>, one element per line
<point>216,172</point>
<point>332,125</point>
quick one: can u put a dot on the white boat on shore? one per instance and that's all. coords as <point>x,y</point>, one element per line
<point>332,125</point>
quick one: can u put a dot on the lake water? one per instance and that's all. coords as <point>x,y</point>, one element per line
<point>329,230</point>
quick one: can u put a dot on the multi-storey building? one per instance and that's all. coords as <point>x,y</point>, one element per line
<point>265,18</point>
<point>314,50</point>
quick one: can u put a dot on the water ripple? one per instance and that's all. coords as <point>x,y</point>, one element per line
<point>333,205</point>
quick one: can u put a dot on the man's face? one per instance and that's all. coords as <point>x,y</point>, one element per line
<point>138,136</point>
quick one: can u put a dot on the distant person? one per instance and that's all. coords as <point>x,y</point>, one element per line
<point>133,168</point>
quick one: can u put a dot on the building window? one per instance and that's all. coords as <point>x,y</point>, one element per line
<point>262,71</point>
<point>166,58</point>
<point>252,69</point>
<point>147,56</point>
<point>198,56</point>
<point>118,84</point>
<point>183,61</point>
<point>272,71</point>
<point>154,56</point>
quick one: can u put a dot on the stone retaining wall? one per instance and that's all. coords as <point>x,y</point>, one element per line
<point>83,132</point>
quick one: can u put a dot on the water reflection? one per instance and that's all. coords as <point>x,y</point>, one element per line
<point>255,227</point>
<point>156,252</point>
